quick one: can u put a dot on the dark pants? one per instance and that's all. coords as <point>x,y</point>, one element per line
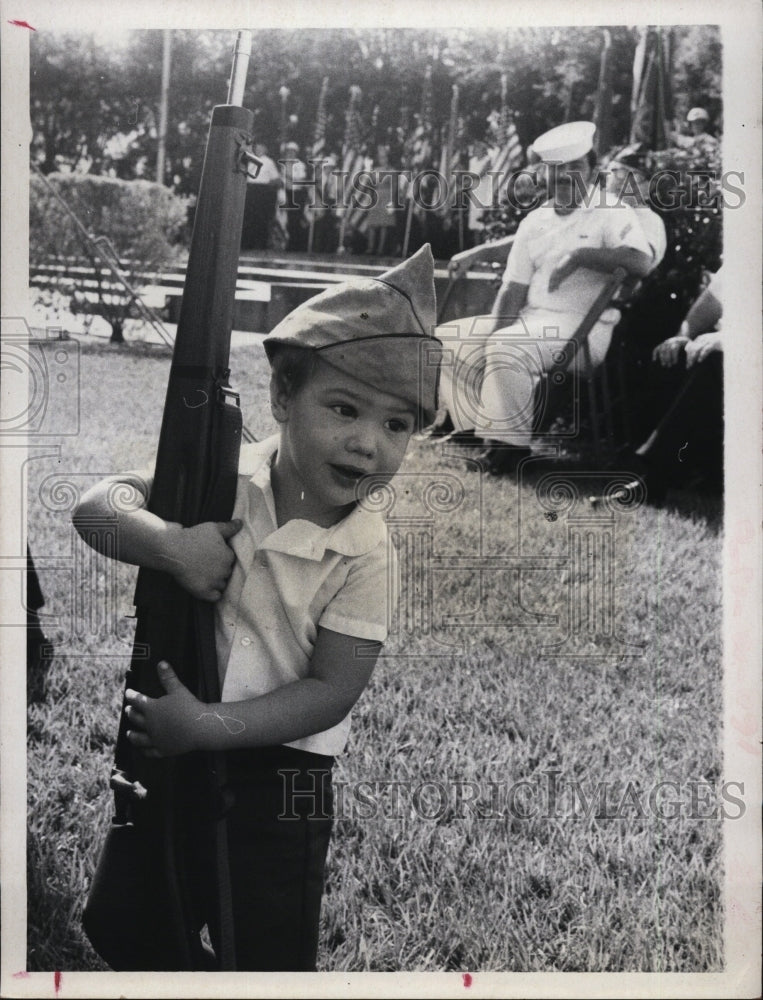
<point>278,835</point>
<point>689,437</point>
<point>259,212</point>
<point>37,655</point>
<point>297,225</point>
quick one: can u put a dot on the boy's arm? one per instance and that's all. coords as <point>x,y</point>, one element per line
<point>179,723</point>
<point>197,557</point>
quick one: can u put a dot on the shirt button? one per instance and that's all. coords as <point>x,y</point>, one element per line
<point>246,641</point>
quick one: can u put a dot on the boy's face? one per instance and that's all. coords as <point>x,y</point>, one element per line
<point>334,431</point>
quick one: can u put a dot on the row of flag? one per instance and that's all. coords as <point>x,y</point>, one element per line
<point>423,140</point>
<point>420,145</point>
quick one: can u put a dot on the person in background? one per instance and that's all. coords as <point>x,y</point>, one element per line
<point>481,198</point>
<point>381,217</point>
<point>688,440</point>
<point>700,139</point>
<point>322,212</point>
<point>261,198</point>
<point>296,197</point>
<point>647,309</point>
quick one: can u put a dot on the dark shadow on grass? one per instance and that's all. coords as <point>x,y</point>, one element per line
<point>699,500</point>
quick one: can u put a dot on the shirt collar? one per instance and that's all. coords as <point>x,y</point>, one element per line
<point>360,532</point>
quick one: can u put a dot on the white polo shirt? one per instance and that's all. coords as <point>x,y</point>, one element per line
<point>286,582</point>
<point>545,237</point>
<point>654,230</point>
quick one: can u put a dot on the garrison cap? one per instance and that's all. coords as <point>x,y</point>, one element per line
<point>378,330</point>
<point>565,143</point>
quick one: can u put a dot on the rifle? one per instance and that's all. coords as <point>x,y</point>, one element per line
<point>150,899</point>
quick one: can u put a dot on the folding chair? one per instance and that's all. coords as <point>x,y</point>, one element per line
<point>598,378</point>
<point>495,254</point>
<point>616,288</point>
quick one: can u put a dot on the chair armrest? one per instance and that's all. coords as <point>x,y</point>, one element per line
<point>489,253</point>
<point>613,283</point>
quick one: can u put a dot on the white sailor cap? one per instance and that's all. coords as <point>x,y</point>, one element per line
<point>697,114</point>
<point>565,143</point>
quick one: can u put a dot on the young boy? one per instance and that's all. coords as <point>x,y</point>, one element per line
<point>299,577</point>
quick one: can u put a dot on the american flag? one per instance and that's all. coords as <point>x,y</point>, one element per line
<point>450,157</point>
<point>418,147</point>
<point>508,153</point>
<point>319,136</point>
<point>353,161</point>
<point>352,156</point>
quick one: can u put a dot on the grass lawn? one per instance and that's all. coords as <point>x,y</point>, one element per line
<point>533,776</point>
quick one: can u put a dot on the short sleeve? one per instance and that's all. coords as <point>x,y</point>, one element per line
<point>623,229</point>
<point>716,285</point>
<point>362,606</point>
<point>519,267</point>
<point>129,498</point>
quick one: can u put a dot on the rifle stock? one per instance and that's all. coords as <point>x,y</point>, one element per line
<point>150,896</point>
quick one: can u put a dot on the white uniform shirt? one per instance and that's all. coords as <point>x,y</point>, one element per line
<point>268,173</point>
<point>286,582</point>
<point>544,237</point>
<point>654,230</point>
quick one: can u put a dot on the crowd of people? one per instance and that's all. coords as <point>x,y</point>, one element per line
<point>295,207</point>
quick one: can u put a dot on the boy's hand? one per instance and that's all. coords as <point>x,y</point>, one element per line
<point>201,560</point>
<point>163,727</point>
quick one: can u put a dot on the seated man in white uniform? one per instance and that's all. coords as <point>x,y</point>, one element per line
<point>563,253</point>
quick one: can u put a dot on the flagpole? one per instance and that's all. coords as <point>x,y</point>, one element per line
<point>408,218</point>
<point>311,231</point>
<point>318,140</point>
<point>419,157</point>
<point>342,231</point>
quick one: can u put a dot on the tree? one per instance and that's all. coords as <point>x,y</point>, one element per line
<point>73,93</point>
<point>697,65</point>
<point>141,220</point>
<point>84,99</point>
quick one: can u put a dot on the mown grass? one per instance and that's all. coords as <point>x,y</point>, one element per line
<point>448,877</point>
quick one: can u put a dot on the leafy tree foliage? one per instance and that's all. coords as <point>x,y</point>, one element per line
<point>97,108</point>
<point>141,220</point>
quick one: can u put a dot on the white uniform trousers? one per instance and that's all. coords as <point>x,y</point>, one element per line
<point>488,381</point>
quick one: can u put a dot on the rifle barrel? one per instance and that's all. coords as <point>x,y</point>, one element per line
<point>241,53</point>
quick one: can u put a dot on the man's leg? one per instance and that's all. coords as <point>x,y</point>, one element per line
<point>515,360</point>
<point>462,368</point>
